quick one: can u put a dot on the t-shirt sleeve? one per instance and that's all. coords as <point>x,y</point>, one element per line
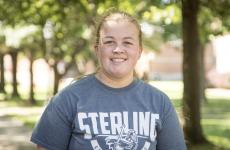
<point>171,135</point>
<point>53,130</point>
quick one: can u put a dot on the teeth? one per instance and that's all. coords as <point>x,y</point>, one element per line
<point>118,60</point>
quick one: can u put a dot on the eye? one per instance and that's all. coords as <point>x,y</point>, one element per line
<point>109,42</point>
<point>128,43</point>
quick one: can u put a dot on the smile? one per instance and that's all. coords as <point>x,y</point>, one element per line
<point>117,60</point>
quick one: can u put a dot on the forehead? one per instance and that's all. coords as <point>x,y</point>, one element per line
<point>121,28</point>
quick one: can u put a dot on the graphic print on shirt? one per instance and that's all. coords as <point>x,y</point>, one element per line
<point>120,130</point>
<point>125,140</point>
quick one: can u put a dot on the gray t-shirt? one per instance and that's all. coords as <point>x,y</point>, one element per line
<point>88,115</point>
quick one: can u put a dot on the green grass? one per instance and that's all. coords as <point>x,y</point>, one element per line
<point>18,102</point>
<point>208,146</point>
<point>28,121</point>
<point>215,113</point>
<point>172,88</point>
<point>39,94</point>
<point>216,121</point>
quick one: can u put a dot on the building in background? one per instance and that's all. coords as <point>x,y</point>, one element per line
<point>166,63</point>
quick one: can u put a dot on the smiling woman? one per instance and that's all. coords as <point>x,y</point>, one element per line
<point>111,110</point>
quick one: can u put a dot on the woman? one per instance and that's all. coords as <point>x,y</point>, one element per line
<point>111,110</point>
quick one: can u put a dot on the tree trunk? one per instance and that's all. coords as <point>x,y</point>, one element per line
<point>191,73</point>
<point>31,98</point>
<point>57,78</point>
<point>2,76</point>
<point>14,55</point>
<point>203,76</point>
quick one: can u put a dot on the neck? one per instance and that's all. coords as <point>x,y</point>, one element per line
<point>114,82</point>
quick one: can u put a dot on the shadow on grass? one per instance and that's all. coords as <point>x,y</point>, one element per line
<point>19,102</point>
<point>216,109</point>
<point>21,110</point>
<point>28,121</point>
<point>207,146</point>
<point>14,135</point>
<point>215,123</point>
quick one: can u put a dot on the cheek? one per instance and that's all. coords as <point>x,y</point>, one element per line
<point>136,54</point>
<point>102,55</point>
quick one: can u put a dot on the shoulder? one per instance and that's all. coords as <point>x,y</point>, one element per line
<point>79,85</point>
<point>151,90</point>
<point>71,93</point>
<point>158,99</point>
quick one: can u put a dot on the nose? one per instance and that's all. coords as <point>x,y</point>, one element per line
<point>118,49</point>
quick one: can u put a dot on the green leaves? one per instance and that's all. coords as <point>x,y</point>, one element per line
<point>72,20</point>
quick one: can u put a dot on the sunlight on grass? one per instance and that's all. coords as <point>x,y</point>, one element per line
<point>39,94</point>
<point>218,93</point>
<point>28,121</point>
<point>172,88</point>
<point>218,140</point>
<point>216,122</point>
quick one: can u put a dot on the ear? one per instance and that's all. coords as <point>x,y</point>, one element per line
<point>141,49</point>
<point>140,52</point>
<point>96,48</point>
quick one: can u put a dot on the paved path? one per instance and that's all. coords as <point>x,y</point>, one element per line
<point>13,134</point>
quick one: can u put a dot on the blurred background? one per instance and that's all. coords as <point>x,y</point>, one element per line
<point>47,44</point>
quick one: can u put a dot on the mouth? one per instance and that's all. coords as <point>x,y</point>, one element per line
<point>118,60</point>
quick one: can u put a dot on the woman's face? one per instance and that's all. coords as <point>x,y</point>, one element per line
<point>118,49</point>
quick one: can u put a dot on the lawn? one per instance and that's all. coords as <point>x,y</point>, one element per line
<point>215,113</point>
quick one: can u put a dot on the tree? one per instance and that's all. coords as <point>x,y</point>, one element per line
<point>14,57</point>
<point>31,46</point>
<point>191,72</point>
<point>2,75</point>
<point>212,19</point>
<point>14,38</point>
<point>69,20</point>
<point>64,43</point>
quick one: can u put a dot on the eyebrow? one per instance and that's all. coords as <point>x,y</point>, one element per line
<point>108,37</point>
<point>127,38</point>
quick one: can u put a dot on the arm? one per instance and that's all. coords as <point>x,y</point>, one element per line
<point>40,148</point>
<point>171,134</point>
<point>53,131</point>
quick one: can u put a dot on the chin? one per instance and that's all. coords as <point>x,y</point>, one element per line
<point>119,75</point>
